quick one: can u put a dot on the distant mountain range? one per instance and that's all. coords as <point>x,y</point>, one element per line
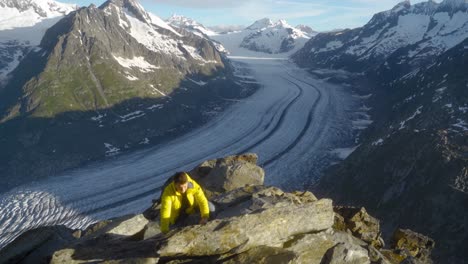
<point>263,35</point>
<point>266,36</point>
<point>413,33</point>
<point>22,27</point>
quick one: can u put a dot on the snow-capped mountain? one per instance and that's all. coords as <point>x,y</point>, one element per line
<point>139,48</point>
<point>23,23</point>
<point>265,36</point>
<point>418,32</point>
<point>190,25</point>
<point>307,29</point>
<point>280,37</point>
<point>25,13</point>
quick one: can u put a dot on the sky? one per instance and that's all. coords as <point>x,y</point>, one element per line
<point>321,15</point>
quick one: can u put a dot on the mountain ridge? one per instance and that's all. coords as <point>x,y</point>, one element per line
<point>410,165</point>
<point>417,30</point>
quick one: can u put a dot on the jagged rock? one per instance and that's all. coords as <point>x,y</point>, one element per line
<point>376,256</point>
<point>339,223</point>
<point>128,227</point>
<point>253,224</point>
<point>36,245</point>
<point>251,198</point>
<point>342,253</point>
<point>229,173</point>
<point>418,246</point>
<point>263,254</point>
<point>270,227</point>
<point>238,195</point>
<point>236,202</point>
<point>310,248</point>
<point>152,229</point>
<point>274,197</point>
<point>361,224</point>
<point>121,251</point>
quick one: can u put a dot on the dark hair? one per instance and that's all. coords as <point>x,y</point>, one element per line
<point>180,178</point>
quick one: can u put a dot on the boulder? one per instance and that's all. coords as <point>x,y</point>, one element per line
<point>229,173</point>
<point>361,224</point>
<point>345,253</point>
<point>270,227</point>
<point>126,227</point>
<point>417,245</point>
<point>310,248</point>
<point>376,256</point>
<point>36,245</point>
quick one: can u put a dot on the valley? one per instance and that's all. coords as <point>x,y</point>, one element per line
<point>293,122</point>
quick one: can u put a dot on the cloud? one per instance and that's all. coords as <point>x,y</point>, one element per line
<point>213,4</point>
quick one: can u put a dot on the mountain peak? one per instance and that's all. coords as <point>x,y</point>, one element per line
<point>283,22</point>
<point>401,6</point>
<point>181,20</point>
<point>190,25</point>
<point>262,23</point>
<point>454,3</point>
<point>133,6</point>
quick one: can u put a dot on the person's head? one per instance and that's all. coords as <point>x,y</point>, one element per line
<point>181,182</point>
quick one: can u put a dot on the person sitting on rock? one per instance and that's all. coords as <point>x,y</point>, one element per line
<point>180,199</point>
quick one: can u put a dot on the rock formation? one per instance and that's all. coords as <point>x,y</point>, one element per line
<point>252,224</point>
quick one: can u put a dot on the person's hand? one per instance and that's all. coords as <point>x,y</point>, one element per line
<point>203,221</point>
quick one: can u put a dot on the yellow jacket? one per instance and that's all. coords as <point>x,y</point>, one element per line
<point>171,202</point>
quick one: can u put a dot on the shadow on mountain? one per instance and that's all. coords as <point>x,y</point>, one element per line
<point>33,148</point>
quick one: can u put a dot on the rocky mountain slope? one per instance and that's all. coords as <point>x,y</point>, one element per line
<point>102,80</point>
<point>413,33</point>
<point>252,224</point>
<point>414,163</point>
<point>22,27</point>
<point>103,51</point>
<point>411,165</point>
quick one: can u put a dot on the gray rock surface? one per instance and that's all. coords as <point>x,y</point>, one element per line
<point>122,227</point>
<point>229,173</point>
<point>271,227</point>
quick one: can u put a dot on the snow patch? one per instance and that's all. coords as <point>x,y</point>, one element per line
<point>136,62</point>
<point>378,142</point>
<point>156,106</point>
<point>418,112</point>
<point>157,91</point>
<point>131,116</point>
<point>343,153</point>
<point>201,83</point>
<point>111,150</point>
<point>461,124</point>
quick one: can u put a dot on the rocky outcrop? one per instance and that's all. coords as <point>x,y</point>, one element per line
<point>252,224</point>
<point>411,165</point>
<point>229,173</point>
